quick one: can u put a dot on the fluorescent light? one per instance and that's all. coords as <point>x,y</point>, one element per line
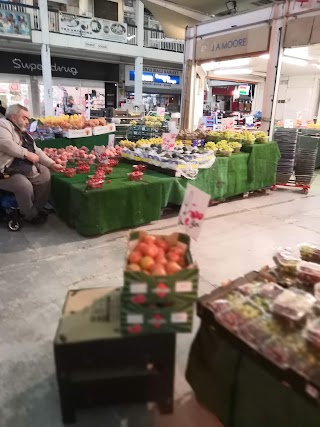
<point>317,65</point>
<point>265,56</point>
<point>299,52</point>
<point>209,66</point>
<point>233,71</point>
<point>294,61</point>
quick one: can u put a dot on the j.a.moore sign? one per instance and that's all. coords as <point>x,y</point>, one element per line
<point>234,44</point>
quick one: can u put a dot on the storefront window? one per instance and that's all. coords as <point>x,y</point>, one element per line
<point>79,91</point>
<point>14,93</point>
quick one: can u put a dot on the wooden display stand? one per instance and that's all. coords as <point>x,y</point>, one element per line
<point>96,365</point>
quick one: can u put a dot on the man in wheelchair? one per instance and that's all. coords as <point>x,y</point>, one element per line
<point>24,168</point>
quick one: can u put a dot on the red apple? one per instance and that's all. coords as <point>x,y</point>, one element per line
<point>147,263</point>
<point>172,267</point>
<point>135,257</point>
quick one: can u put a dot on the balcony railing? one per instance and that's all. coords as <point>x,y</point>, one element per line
<point>154,39</point>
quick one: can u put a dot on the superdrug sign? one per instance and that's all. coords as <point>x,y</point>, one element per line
<point>30,65</point>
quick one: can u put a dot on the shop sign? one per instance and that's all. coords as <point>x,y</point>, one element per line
<point>155,77</point>
<point>94,28</point>
<point>30,65</point>
<point>15,25</point>
<point>302,32</point>
<point>253,40</point>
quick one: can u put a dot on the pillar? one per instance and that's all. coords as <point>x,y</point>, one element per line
<point>274,68</point>
<point>140,23</point>
<point>138,71</point>
<point>120,11</point>
<point>46,58</point>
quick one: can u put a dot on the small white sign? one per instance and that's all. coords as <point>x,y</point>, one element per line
<point>33,126</point>
<point>288,124</point>
<point>138,288</point>
<point>161,111</point>
<point>134,319</point>
<point>168,141</point>
<point>183,286</point>
<point>173,127</point>
<point>179,317</point>
<point>111,141</point>
<point>193,210</point>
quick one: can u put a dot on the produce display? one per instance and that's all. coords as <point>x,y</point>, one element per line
<point>277,318</point>
<point>180,158</point>
<point>160,284</point>
<point>70,154</point>
<point>76,121</point>
<point>151,121</point>
<point>147,127</point>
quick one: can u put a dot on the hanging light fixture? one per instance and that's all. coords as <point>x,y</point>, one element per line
<point>231,6</point>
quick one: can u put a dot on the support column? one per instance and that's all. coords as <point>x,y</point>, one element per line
<point>46,59</point>
<point>120,11</point>
<point>274,67</point>
<point>138,71</point>
<point>140,23</point>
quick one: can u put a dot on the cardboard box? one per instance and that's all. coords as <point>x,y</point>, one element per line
<point>100,130</point>
<point>144,296</point>
<point>78,133</point>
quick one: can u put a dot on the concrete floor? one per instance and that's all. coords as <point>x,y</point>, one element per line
<point>39,265</point>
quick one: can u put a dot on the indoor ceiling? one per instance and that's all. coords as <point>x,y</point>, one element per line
<point>176,15</point>
<point>303,61</point>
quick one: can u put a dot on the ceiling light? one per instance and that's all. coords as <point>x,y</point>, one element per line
<point>231,6</point>
<point>317,65</point>
<point>209,66</point>
<point>294,61</point>
<point>299,52</point>
<point>233,71</point>
<point>265,56</point>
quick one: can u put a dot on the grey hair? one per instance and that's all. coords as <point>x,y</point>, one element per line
<point>14,109</point>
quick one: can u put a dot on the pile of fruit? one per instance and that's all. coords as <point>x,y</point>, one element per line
<point>76,121</point>
<point>82,167</point>
<point>241,137</point>
<point>157,256</point>
<point>150,121</point>
<point>109,153</point>
<point>70,153</point>
<point>223,148</point>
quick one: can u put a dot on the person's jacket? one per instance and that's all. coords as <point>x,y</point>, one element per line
<point>11,147</point>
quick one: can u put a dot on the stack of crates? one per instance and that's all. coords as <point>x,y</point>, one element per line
<point>155,304</point>
<point>134,133</point>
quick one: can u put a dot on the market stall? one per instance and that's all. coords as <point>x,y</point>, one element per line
<point>122,203</point>
<point>255,360</point>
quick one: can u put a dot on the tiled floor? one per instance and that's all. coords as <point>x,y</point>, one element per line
<point>39,265</point>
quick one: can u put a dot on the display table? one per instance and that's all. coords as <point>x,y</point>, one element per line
<point>89,142</point>
<point>123,203</point>
<point>238,390</point>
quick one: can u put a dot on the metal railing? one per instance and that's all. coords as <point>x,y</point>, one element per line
<point>154,39</point>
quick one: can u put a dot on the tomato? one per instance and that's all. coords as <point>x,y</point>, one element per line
<point>177,250</point>
<point>135,257</point>
<point>149,239</point>
<point>172,256</point>
<point>161,243</point>
<point>158,270</point>
<point>134,267</point>
<point>151,251</point>
<point>142,247</point>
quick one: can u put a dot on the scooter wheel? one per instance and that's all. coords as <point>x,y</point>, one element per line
<point>14,225</point>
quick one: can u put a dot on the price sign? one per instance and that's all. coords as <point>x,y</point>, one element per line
<point>193,210</point>
<point>227,123</point>
<point>168,141</point>
<point>111,141</point>
<point>288,124</point>
<point>161,111</point>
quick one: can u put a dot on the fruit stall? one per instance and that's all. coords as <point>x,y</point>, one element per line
<point>59,132</point>
<point>100,192</point>
<point>259,336</point>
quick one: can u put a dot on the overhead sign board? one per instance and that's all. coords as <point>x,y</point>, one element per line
<point>302,32</point>
<point>155,77</point>
<point>94,28</point>
<point>15,25</point>
<point>245,42</point>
